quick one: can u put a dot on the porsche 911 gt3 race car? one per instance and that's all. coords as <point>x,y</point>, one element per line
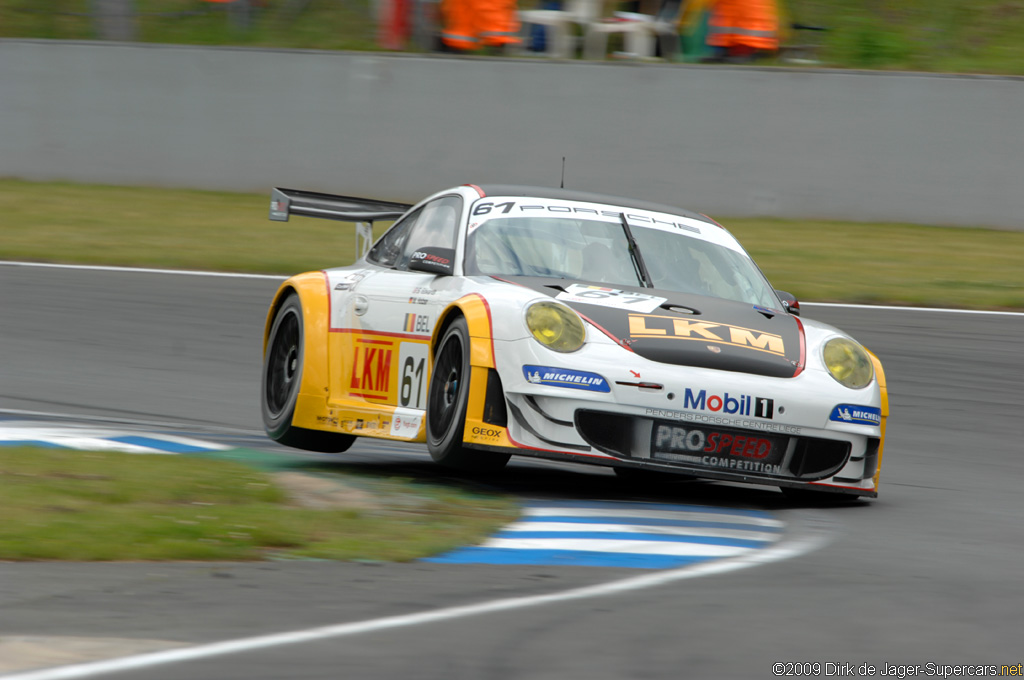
<point>498,320</point>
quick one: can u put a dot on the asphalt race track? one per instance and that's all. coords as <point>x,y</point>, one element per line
<point>928,573</point>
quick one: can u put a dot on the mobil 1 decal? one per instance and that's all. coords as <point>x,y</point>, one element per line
<point>732,404</point>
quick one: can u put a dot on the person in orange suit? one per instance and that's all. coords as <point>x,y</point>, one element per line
<point>469,25</point>
<point>743,29</point>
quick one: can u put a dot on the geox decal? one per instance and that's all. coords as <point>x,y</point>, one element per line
<point>859,415</point>
<point>564,377</point>
<point>657,326</point>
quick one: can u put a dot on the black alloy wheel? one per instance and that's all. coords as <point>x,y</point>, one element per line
<point>447,399</point>
<point>282,377</point>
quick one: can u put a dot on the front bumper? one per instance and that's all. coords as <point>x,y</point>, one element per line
<point>718,433</point>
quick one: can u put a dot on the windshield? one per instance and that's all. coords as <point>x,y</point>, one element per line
<point>597,250</point>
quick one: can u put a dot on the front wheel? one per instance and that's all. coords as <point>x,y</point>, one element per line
<point>447,398</point>
<point>282,376</point>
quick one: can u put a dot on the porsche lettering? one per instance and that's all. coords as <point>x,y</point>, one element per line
<point>656,326</point>
<point>492,209</point>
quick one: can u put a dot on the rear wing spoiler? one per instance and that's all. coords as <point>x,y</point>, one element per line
<point>287,202</point>
<point>363,211</point>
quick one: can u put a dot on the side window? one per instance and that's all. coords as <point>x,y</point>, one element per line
<point>388,249</point>
<point>437,226</point>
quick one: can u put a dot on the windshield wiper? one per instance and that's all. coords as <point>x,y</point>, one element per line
<point>634,251</point>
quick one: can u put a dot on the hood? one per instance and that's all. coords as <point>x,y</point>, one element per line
<point>686,329</point>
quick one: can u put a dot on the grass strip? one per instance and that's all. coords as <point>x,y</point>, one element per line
<point>96,506</point>
<point>815,260</point>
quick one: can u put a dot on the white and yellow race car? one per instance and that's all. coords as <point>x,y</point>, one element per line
<point>492,321</point>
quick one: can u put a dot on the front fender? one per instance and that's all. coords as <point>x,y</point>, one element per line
<point>884,393</point>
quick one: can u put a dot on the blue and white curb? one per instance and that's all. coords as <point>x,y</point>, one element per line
<point>622,534</point>
<point>86,438</point>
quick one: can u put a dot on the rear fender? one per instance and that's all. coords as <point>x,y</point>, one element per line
<point>311,288</point>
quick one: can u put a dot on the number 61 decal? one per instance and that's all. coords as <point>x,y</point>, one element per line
<point>412,374</point>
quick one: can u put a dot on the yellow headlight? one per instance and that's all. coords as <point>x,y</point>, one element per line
<point>848,363</point>
<point>555,326</point>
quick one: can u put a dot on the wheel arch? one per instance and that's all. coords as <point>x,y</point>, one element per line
<point>477,312</point>
<point>486,403</point>
<point>311,287</point>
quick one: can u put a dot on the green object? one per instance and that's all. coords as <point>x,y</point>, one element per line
<point>60,504</point>
<point>693,39</point>
<point>187,229</point>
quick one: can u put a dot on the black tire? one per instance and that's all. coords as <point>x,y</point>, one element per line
<point>447,397</point>
<point>279,388</point>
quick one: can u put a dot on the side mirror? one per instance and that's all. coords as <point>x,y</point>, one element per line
<point>433,260</point>
<point>789,302</point>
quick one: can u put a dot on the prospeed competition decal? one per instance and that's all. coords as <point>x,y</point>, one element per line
<point>622,534</point>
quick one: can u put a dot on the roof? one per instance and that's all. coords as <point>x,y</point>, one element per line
<point>588,197</point>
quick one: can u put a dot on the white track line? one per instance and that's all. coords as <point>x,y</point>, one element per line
<point>276,277</point>
<point>77,417</point>
<point>141,270</point>
<point>811,538</point>
<point>911,309</point>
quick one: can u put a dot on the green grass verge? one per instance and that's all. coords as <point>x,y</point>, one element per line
<point>981,36</point>
<point>821,261</point>
<point>96,506</point>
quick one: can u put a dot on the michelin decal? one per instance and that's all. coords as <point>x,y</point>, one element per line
<point>564,377</point>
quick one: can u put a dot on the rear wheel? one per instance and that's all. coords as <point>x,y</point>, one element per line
<point>447,398</point>
<point>282,375</point>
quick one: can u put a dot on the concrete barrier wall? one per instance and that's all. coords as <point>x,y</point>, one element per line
<point>721,140</point>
